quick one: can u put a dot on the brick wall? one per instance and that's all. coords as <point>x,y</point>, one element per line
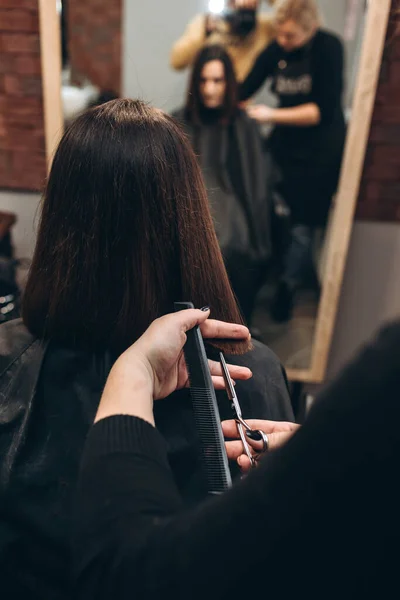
<point>22,143</point>
<point>380,187</point>
<point>94,42</point>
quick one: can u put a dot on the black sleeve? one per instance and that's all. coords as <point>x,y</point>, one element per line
<point>328,77</point>
<point>315,520</point>
<point>262,69</point>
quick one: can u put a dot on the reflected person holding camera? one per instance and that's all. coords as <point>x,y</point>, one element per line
<point>239,28</point>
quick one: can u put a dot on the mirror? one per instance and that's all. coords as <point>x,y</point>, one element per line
<point>294,190</point>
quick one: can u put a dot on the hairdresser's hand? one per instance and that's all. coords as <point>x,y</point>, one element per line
<point>160,349</point>
<point>212,22</point>
<point>154,366</point>
<point>278,434</point>
<point>261,113</point>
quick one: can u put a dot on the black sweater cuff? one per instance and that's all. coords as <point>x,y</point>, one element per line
<point>125,434</point>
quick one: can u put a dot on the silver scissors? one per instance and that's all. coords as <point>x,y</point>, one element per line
<point>242,426</point>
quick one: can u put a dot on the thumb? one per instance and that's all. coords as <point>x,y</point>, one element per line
<point>275,440</point>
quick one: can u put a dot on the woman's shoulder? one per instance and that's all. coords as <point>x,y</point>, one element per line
<point>266,394</point>
<point>264,362</point>
<point>15,339</point>
<point>328,40</point>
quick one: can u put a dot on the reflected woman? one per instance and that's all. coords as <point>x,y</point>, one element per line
<point>235,169</point>
<point>305,65</point>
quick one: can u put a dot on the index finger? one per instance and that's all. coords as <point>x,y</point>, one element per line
<point>221,330</point>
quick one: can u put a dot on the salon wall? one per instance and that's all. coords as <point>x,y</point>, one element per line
<point>22,144</point>
<point>154,24</point>
<point>371,289</point>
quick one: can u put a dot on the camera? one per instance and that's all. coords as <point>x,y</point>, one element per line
<point>241,21</point>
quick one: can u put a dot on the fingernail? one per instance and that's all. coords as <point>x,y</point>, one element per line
<point>205,308</point>
<point>254,435</point>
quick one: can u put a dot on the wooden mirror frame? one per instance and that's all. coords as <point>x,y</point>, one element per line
<point>346,199</point>
<point>50,56</point>
<point>376,24</point>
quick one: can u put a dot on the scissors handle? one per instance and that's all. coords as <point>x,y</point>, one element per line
<point>242,426</point>
<point>245,443</point>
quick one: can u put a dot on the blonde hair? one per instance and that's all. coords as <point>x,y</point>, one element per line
<point>304,12</point>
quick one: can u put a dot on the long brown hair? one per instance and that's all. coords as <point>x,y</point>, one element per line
<point>125,231</point>
<point>194,103</point>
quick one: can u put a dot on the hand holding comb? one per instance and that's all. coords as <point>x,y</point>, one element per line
<point>205,408</point>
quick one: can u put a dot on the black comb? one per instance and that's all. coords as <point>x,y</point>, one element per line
<point>205,408</point>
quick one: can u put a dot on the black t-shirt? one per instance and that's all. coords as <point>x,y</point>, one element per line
<point>311,74</point>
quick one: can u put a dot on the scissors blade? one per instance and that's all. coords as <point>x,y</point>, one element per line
<point>229,387</point>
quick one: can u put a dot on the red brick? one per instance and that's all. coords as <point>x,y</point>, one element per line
<point>392,50</point>
<point>387,114</point>
<point>7,64</point>
<point>5,160</point>
<point>22,107</point>
<point>26,181</point>
<point>14,19</point>
<point>24,139</point>
<point>394,72</point>
<point>382,172</point>
<point>27,64</point>
<point>383,133</point>
<point>3,129</point>
<point>371,192</point>
<point>12,85</point>
<point>23,85</point>
<point>388,94</point>
<point>382,212</point>
<point>32,86</point>
<point>20,43</point>
<point>21,160</point>
<point>31,4</point>
<point>382,154</point>
<point>390,190</point>
<point>384,73</point>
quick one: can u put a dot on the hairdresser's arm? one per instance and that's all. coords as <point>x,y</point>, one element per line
<point>328,498</point>
<point>185,49</point>
<point>263,69</point>
<point>326,95</point>
<point>305,115</point>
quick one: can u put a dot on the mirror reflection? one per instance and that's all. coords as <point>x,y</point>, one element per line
<point>264,93</point>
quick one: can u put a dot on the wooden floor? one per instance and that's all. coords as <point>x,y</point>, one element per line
<point>291,341</point>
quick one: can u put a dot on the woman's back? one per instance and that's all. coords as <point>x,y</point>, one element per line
<point>125,231</point>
